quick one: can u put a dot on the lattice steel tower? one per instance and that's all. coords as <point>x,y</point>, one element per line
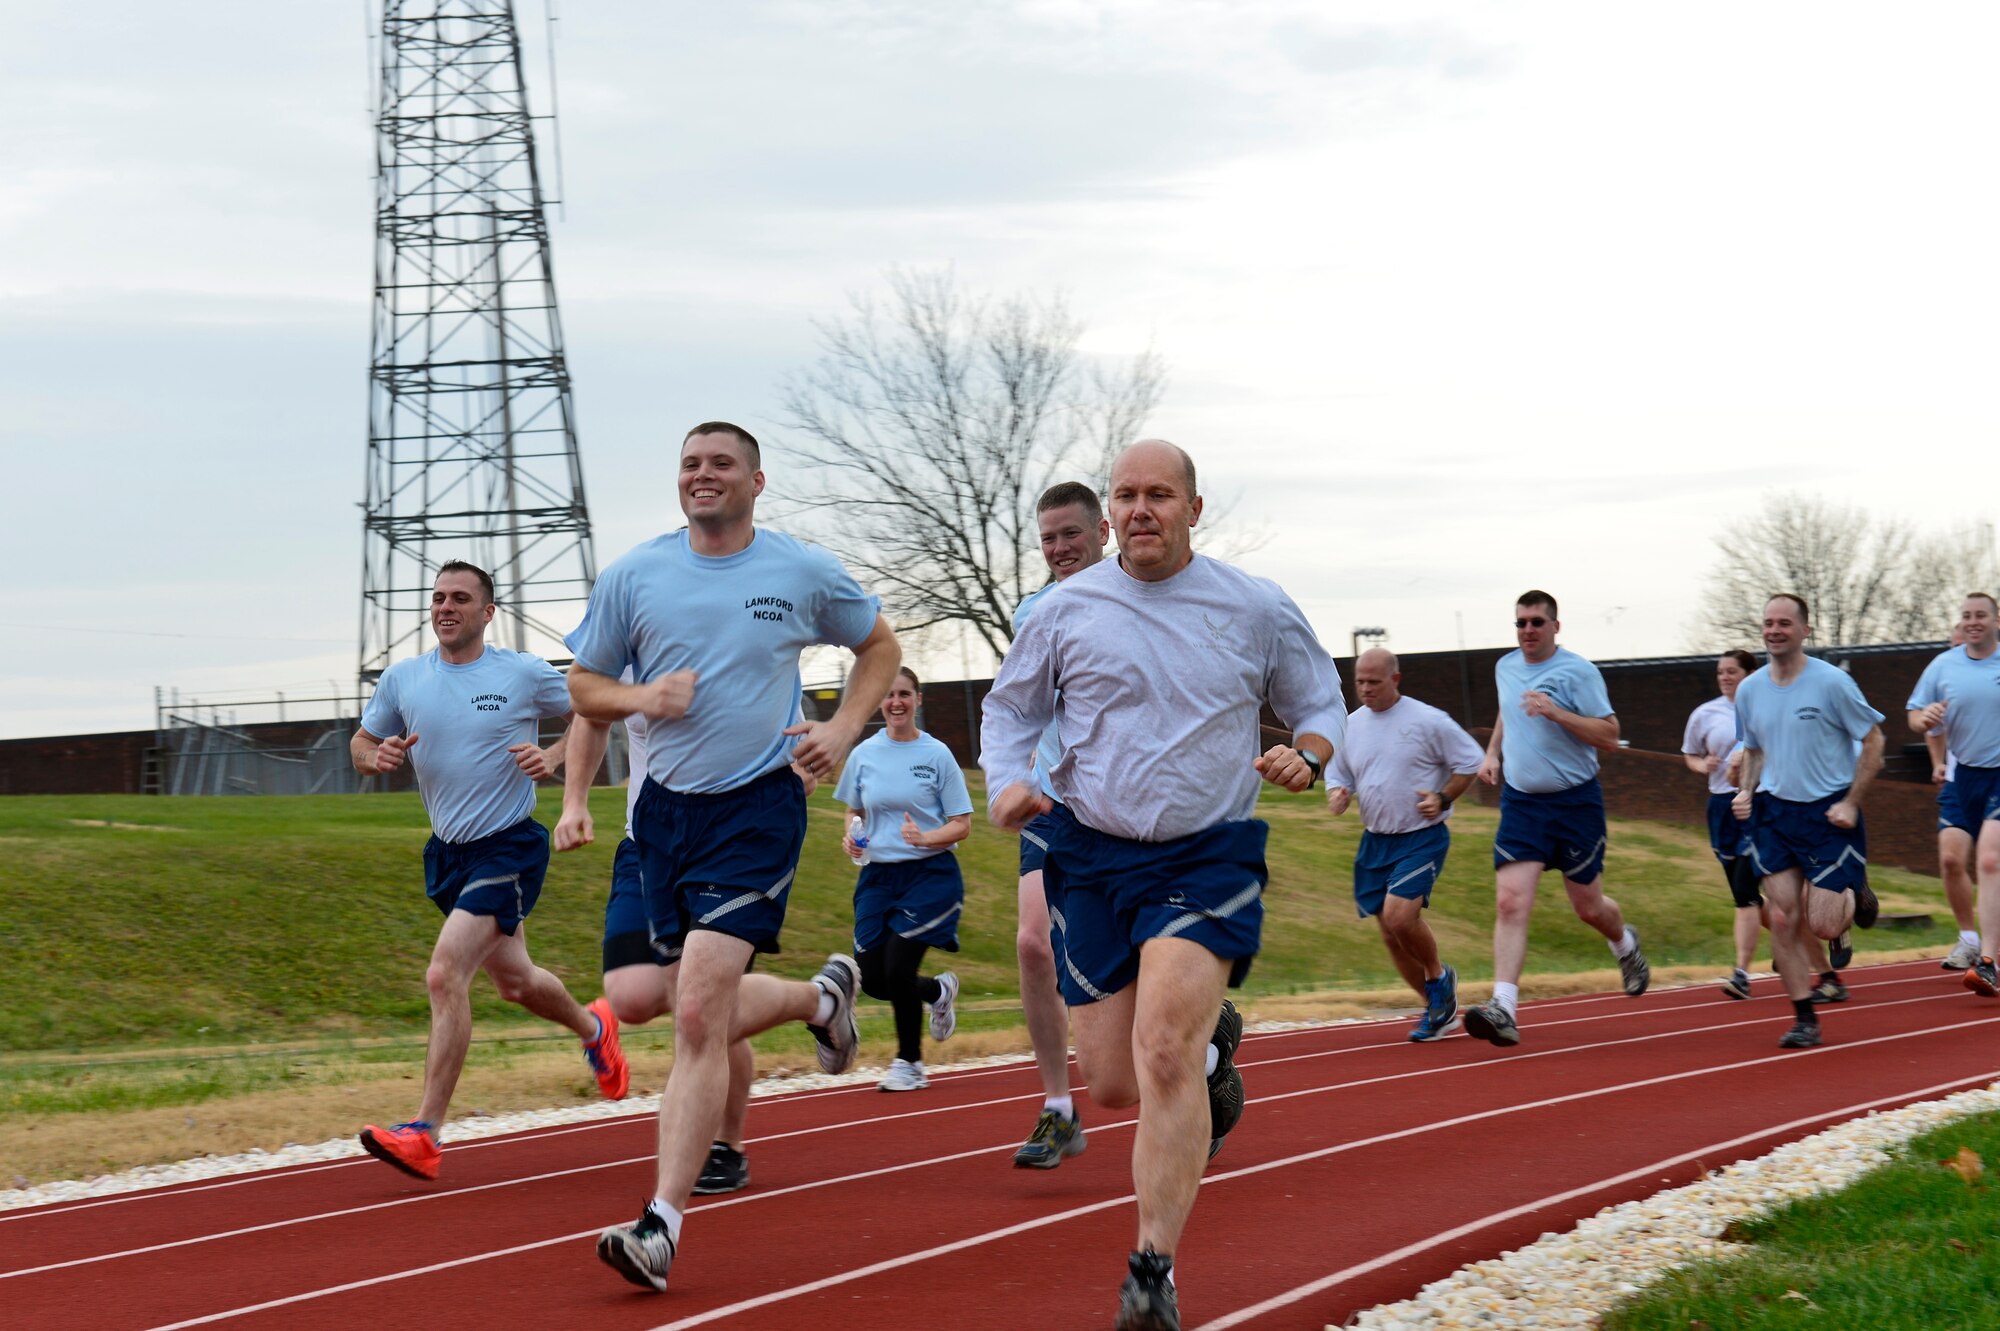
<point>471,438</point>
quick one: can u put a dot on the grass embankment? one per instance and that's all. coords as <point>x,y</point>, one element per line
<point>1909,1247</point>
<point>217,973</point>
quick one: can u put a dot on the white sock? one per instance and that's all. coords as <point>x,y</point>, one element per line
<point>1061,1104</point>
<point>668,1214</point>
<point>1208,1064</point>
<point>1506,995</point>
<point>1968,937</point>
<point>824,1013</point>
<point>1623,947</point>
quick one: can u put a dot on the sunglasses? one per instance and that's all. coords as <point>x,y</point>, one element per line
<point>1532,622</point>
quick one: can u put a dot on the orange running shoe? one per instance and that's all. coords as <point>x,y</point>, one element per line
<point>408,1146</point>
<point>607,1060</point>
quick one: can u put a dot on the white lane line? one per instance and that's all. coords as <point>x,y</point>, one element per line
<point>1324,1283</point>
<point>1040,1222</point>
<point>1434,1070</point>
<point>813,1287</point>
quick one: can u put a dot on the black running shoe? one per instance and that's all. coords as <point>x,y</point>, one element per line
<point>1828,990</point>
<point>641,1252</point>
<point>1866,907</point>
<point>1054,1139</point>
<point>1840,952</point>
<point>1803,1035</point>
<point>1633,972</point>
<point>1492,1023</point>
<point>1148,1301</point>
<point>1738,984</point>
<point>1225,1084</point>
<point>1984,978</point>
<point>727,1170</point>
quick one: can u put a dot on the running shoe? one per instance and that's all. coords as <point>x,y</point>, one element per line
<point>1441,1010</point>
<point>1053,1139</point>
<point>1828,990</point>
<point>1737,985</point>
<point>606,1059</point>
<point>944,1012</point>
<point>641,1252</point>
<point>1803,1035</point>
<point>1148,1302</point>
<point>1840,952</point>
<point>410,1147</point>
<point>841,978</point>
<point>904,1075</point>
<point>1983,979</point>
<point>1866,907</point>
<point>727,1170</point>
<point>1962,957</point>
<point>1492,1023</point>
<point>1632,968</point>
<point>1225,1084</point>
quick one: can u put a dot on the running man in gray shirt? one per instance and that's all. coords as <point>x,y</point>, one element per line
<point>1407,763</point>
<point>1156,665</point>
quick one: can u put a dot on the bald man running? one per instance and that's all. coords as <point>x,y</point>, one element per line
<point>1406,762</point>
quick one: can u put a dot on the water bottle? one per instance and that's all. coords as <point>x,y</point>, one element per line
<point>857,832</point>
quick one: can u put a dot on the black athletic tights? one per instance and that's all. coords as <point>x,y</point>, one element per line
<point>889,973</point>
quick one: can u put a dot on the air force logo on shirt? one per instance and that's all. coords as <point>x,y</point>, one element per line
<point>1809,714</point>
<point>772,608</point>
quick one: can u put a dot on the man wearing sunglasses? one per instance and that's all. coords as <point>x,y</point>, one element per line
<point>1554,717</point>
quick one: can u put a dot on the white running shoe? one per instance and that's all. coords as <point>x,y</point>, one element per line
<point>1962,957</point>
<point>944,1013</point>
<point>904,1075</point>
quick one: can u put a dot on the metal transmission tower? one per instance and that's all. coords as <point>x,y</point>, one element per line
<point>471,438</point>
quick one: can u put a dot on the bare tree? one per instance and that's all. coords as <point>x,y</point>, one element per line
<point>1866,579</point>
<point>933,421</point>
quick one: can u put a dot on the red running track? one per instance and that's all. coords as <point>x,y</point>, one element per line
<point>1364,1167</point>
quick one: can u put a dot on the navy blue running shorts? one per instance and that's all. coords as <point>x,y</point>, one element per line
<point>1971,797</point>
<point>1108,895</point>
<point>920,900</point>
<point>1794,834</point>
<point>722,862</point>
<point>499,874</point>
<point>1562,830</point>
<point>628,941</point>
<point>1035,842</point>
<point>1398,864</point>
<point>1729,838</point>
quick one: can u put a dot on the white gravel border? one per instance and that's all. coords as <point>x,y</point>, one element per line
<point>1570,1280</point>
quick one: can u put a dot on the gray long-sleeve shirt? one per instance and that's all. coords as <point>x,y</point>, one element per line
<point>1157,688</point>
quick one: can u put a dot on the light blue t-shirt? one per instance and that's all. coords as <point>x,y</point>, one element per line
<point>465,718</point>
<point>1971,690</point>
<point>1048,749</point>
<point>739,622</point>
<point>1539,757</point>
<point>886,779</point>
<point>1809,730</point>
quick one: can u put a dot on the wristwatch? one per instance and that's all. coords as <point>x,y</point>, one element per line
<point>1312,763</point>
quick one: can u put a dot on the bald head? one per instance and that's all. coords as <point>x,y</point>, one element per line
<point>1154,508</point>
<point>1158,451</point>
<point>1376,676</point>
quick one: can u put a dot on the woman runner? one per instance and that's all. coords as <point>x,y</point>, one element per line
<point>908,792</point>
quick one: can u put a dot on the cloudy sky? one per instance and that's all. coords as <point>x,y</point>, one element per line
<point>1457,299</point>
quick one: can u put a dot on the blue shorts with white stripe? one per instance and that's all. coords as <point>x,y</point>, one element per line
<point>1398,864</point>
<point>1794,834</point>
<point>499,874</point>
<point>723,862</point>
<point>1108,895</point>
<point>920,900</point>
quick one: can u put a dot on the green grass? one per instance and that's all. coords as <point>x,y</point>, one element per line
<point>1912,1246</point>
<point>135,922</point>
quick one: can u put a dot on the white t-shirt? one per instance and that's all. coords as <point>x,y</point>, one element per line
<point>1392,754</point>
<point>1711,733</point>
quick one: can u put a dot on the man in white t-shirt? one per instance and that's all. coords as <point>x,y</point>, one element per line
<point>1406,762</point>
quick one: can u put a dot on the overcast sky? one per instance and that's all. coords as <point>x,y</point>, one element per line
<point>1456,299</point>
